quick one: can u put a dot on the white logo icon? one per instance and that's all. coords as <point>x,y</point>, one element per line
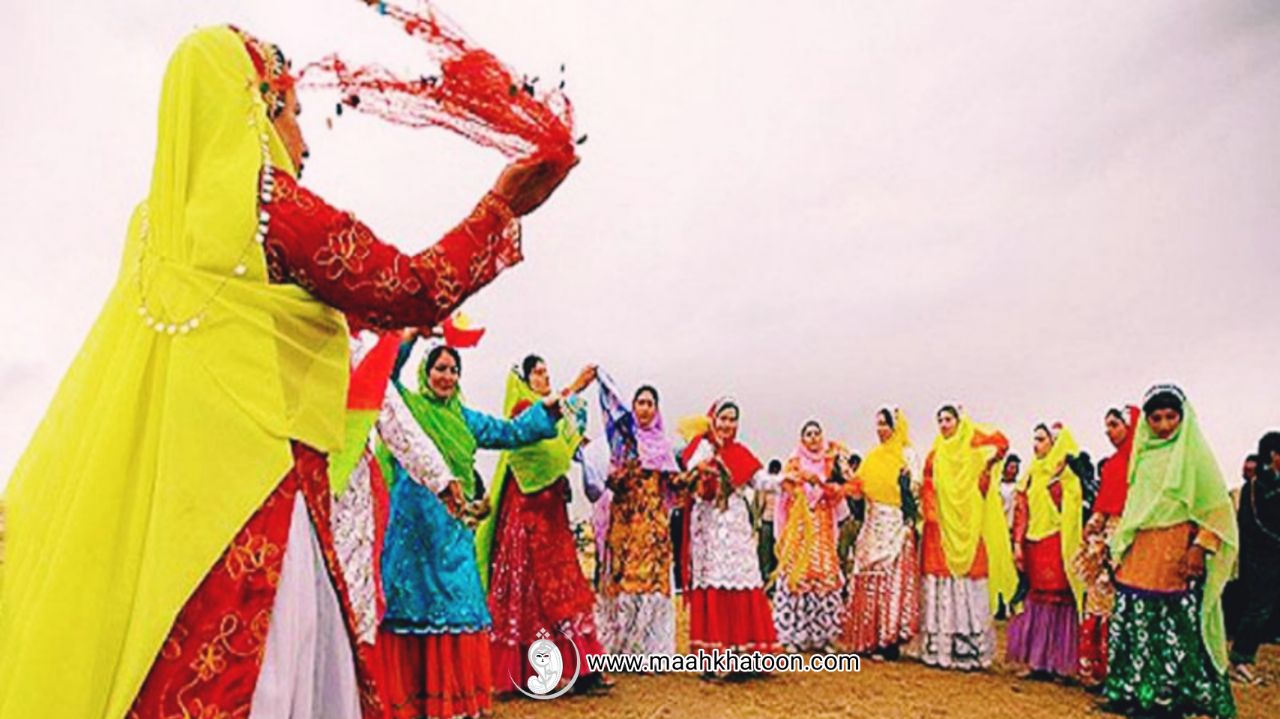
<point>548,666</point>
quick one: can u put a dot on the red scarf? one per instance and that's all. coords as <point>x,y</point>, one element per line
<point>1114,488</point>
<point>741,464</point>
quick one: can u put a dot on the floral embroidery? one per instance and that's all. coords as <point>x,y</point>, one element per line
<point>346,250</point>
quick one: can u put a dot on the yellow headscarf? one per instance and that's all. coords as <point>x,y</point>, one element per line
<point>1044,518</point>
<point>159,446</point>
<point>966,516</point>
<point>883,465</point>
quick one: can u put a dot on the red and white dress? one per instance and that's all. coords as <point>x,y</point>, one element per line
<point>271,629</point>
<point>728,609</point>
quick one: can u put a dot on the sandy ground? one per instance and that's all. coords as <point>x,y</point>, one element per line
<point>900,689</point>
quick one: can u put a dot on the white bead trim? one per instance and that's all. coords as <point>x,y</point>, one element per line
<point>266,188</point>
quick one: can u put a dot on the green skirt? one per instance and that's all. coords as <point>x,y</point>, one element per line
<point>1158,663</point>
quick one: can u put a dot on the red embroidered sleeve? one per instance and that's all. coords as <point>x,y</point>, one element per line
<point>1021,517</point>
<point>338,259</point>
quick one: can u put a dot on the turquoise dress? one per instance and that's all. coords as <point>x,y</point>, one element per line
<point>429,572</point>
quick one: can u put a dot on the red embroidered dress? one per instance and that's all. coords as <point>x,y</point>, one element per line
<point>210,662</point>
<point>537,583</point>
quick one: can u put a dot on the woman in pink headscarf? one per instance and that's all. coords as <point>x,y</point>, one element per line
<point>635,612</point>
<point>808,596</point>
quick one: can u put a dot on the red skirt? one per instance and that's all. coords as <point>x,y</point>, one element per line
<point>537,584</point>
<point>1045,571</point>
<point>211,659</point>
<point>437,675</point>
<point>731,619</point>
<point>1093,650</point>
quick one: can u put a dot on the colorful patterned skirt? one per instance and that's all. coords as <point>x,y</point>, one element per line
<point>884,590</point>
<point>1093,564</point>
<point>269,625</point>
<point>637,623</point>
<point>434,641</point>
<point>537,585</point>
<point>806,620</point>
<point>956,630</point>
<point>1157,659</point>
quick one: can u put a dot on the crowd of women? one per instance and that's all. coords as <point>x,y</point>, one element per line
<point>201,527</point>
<point>1113,582</point>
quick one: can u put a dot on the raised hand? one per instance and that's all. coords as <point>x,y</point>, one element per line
<point>525,184</point>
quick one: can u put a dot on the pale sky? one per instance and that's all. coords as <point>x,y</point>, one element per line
<point>1035,209</point>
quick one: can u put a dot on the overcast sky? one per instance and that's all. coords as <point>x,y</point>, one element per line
<point>1035,209</point>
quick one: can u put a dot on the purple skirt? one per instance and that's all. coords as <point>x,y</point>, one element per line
<point>1045,637</point>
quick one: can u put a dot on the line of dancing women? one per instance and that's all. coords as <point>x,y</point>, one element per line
<point>236,505</point>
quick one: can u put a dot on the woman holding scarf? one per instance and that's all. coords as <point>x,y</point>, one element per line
<point>727,606</point>
<point>635,611</point>
<point>808,596</point>
<point>527,551</point>
<point>223,590</point>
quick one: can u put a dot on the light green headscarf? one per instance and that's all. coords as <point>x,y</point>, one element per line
<point>1177,480</point>
<point>443,422</point>
<point>535,467</point>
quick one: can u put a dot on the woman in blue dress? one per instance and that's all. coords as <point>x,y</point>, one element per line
<point>436,631</point>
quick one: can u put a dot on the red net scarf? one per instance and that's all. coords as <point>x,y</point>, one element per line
<point>474,94</point>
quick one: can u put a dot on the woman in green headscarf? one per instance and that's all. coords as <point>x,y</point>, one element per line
<point>528,553</point>
<point>435,635</point>
<point>1175,547</point>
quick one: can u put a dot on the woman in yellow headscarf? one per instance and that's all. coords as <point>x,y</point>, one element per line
<point>169,545</point>
<point>966,559</point>
<point>884,591</point>
<point>1048,520</point>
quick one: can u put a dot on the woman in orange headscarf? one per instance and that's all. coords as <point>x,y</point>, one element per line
<point>169,535</point>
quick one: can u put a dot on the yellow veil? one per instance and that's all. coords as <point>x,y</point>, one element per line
<point>884,463</point>
<point>159,445</point>
<point>1044,519</point>
<point>966,516</point>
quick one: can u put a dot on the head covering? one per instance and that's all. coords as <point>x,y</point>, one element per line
<point>884,464</point>
<point>534,467</point>
<point>627,439</point>
<point>804,461</point>
<point>738,461</point>
<point>1115,471</point>
<point>803,526</point>
<point>174,423</point>
<point>1044,518</point>
<point>443,422</point>
<point>965,515</point>
<point>1177,480</point>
